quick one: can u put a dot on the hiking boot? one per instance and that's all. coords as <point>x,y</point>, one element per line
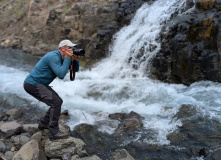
<point>42,126</point>
<point>59,135</point>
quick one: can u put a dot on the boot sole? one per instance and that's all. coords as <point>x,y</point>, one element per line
<point>59,137</point>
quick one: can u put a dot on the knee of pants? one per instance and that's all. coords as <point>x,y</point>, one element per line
<point>57,101</point>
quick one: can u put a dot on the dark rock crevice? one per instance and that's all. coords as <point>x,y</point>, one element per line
<point>190,49</point>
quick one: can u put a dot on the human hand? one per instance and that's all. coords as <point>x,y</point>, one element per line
<point>68,53</point>
<point>76,57</point>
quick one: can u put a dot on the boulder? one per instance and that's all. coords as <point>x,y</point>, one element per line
<point>57,148</point>
<point>10,128</point>
<point>5,127</point>
<point>29,151</point>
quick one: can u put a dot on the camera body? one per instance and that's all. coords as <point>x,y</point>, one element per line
<point>78,52</point>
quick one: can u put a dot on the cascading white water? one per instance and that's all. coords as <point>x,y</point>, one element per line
<point>136,43</point>
<point>118,86</point>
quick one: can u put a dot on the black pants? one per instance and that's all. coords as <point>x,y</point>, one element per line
<point>47,95</point>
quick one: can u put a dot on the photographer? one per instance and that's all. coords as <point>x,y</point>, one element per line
<point>53,64</point>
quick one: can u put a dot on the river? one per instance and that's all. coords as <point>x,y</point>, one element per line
<point>114,85</point>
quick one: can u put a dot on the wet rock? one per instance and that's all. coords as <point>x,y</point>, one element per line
<point>118,116</point>
<point>123,116</point>
<point>122,155</point>
<point>186,111</point>
<point>189,4</point>
<point>201,152</point>
<point>176,138</point>
<point>61,146</point>
<point>94,157</point>
<point>128,121</point>
<point>130,124</point>
<point>216,155</point>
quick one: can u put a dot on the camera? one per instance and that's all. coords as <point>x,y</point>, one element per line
<point>78,52</point>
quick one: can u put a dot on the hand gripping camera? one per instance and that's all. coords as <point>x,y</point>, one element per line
<point>78,52</point>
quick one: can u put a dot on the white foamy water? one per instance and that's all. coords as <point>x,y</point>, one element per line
<point>115,86</point>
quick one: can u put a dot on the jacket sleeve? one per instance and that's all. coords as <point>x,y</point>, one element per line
<point>58,69</point>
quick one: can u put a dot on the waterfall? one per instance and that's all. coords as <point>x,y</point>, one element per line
<point>134,45</point>
<point>119,83</point>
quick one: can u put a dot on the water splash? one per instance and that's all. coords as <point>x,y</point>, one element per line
<point>102,90</point>
<point>134,45</point>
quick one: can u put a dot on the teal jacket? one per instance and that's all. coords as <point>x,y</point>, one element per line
<point>48,68</point>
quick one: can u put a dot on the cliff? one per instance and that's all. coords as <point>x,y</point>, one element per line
<point>190,51</point>
<point>37,26</point>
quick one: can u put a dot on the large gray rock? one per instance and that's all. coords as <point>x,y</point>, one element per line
<point>27,151</point>
<point>5,127</point>
<point>57,148</point>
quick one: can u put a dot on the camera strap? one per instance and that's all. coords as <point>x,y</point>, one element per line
<point>72,70</point>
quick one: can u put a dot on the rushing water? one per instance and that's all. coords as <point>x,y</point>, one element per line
<point>115,85</point>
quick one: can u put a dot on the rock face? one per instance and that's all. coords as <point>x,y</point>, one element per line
<point>191,48</point>
<point>191,42</point>
<point>39,26</point>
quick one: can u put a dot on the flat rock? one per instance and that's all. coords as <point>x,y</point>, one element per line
<point>9,126</point>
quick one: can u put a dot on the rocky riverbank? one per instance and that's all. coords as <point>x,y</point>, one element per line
<point>21,139</point>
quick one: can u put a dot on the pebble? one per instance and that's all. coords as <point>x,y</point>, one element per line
<point>9,155</point>
<point>24,139</point>
<point>2,147</point>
